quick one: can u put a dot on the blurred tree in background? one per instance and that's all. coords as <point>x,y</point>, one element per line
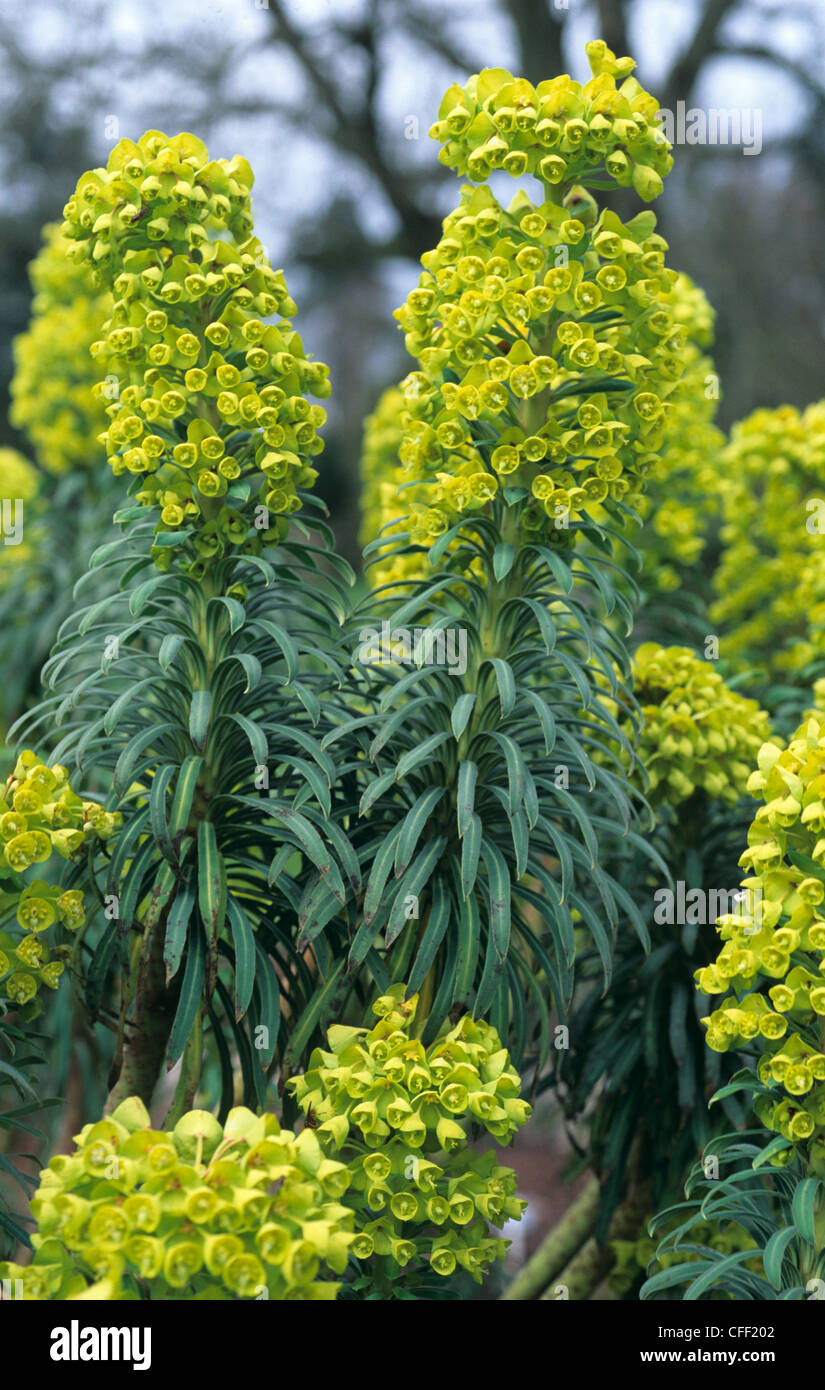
<point>333,99</point>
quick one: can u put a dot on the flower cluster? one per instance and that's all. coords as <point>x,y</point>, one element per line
<point>53,397</point>
<point>39,815</point>
<point>211,414</point>
<point>549,340</point>
<point>770,967</point>
<point>697,732</point>
<point>560,131</point>
<point>399,1113</point>
<point>770,580</point>
<point>243,1210</point>
<point>680,490</point>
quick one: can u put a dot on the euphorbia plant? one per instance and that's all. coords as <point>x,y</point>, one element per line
<point>307,831</point>
<point>768,988</point>
<point>547,351</point>
<point>636,1079</point>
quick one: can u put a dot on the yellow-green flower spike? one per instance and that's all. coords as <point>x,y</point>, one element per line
<point>53,396</point>
<point>550,343</point>
<point>769,972</point>
<point>770,580</point>
<point>211,410</point>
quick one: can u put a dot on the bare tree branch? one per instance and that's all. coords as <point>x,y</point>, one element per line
<point>778,59</point>
<point>682,76</point>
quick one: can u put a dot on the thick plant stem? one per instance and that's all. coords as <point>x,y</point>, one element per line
<point>154,1011</point>
<point>558,1247</point>
<point>582,1276</point>
<point>190,1073</point>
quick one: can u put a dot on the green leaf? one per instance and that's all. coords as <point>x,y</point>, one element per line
<point>199,712</point>
<point>127,762</point>
<point>283,641</point>
<point>123,702</point>
<point>243,939</point>
<point>379,873</point>
<point>803,1208</point>
<point>776,1145</point>
<point>498,887</point>
<point>375,791</point>
<point>462,709</point>
<point>211,880</point>
<point>516,768</point>
<point>257,738</point>
<point>184,793</point>
<point>416,756</point>
<point>470,851</point>
<point>714,1274</point>
<point>413,884</point>
<point>251,666</point>
<point>189,1001</point>
<point>503,557</point>
<point>546,719</point>
<point>236,610</point>
<point>169,648</point>
<point>313,846</point>
<point>547,627</point>
<point>412,826</point>
<point>505,682</point>
<point>469,937</point>
<point>433,935</point>
<point>465,795</point>
<point>774,1255</point>
<point>269,993</point>
<point>177,922</point>
<point>157,809</point>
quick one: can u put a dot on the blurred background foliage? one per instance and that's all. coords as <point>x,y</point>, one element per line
<point>332,100</point>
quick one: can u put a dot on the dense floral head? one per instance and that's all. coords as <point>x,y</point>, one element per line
<point>560,131</point>
<point>53,397</point>
<point>680,480</point>
<point>771,576</point>
<point>770,967</point>
<point>401,1114</point>
<point>211,410</point>
<point>240,1210</point>
<point>548,352</point>
<point>697,734</point>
